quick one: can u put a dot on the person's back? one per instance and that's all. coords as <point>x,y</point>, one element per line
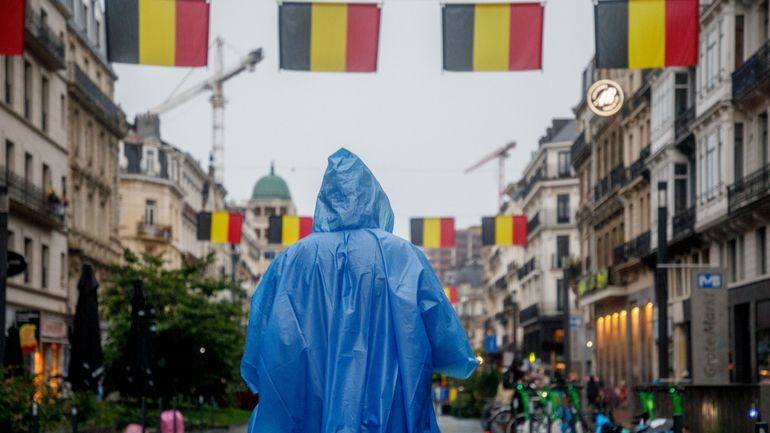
<point>348,324</point>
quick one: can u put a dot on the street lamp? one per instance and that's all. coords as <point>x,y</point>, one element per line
<point>661,280</point>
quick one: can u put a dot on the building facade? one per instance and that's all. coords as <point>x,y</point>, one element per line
<point>95,125</point>
<point>33,133</point>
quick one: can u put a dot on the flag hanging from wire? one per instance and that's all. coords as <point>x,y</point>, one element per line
<point>329,37</point>
<point>493,36</point>
<point>504,230</point>
<point>11,27</point>
<point>220,227</point>
<point>158,32</point>
<point>646,33</point>
<point>287,229</point>
<point>433,232</point>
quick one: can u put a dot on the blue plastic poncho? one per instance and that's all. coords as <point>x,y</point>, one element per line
<point>348,324</point>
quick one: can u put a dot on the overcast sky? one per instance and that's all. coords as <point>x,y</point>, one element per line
<point>416,127</point>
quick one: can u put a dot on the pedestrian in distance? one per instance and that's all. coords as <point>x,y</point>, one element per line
<point>348,325</point>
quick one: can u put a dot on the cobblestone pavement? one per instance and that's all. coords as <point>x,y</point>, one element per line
<point>450,424</point>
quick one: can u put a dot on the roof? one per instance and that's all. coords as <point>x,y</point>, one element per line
<point>271,186</point>
<point>561,130</point>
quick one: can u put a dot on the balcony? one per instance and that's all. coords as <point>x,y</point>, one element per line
<point>43,42</point>
<point>508,303</point>
<point>533,223</point>
<point>526,269</point>
<point>580,150</point>
<point>529,313</point>
<point>619,254</point>
<point>597,282</point>
<point>753,74</point>
<point>641,95</point>
<point>601,189</point>
<point>639,167</point>
<point>87,92</point>
<point>749,190</point>
<point>153,231</point>
<point>683,224</point>
<point>640,246</point>
<point>617,177</point>
<point>501,284</point>
<point>32,202</point>
<point>682,123</point>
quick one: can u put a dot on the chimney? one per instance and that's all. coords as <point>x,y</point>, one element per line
<point>148,125</point>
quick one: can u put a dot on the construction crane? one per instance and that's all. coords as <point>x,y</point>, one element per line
<point>501,154</point>
<point>214,84</point>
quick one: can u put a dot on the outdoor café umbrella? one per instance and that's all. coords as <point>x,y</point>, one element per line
<point>86,362</point>
<point>139,371</point>
<point>13,358</point>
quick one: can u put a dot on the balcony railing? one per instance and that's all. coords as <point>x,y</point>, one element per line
<point>533,223</point>
<point>617,177</point>
<point>601,189</point>
<point>596,282</point>
<point>619,254</point>
<point>529,313</point>
<point>639,166</point>
<point>579,149</point>
<point>752,73</point>
<point>748,190</point>
<point>526,269</point>
<point>683,223</point>
<point>32,200</point>
<point>682,123</point>
<point>92,95</point>
<point>154,231</point>
<point>640,246</point>
<point>43,42</point>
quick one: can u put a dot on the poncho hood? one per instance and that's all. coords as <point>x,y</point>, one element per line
<point>350,197</point>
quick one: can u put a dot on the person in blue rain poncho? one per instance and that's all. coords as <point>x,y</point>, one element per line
<point>348,325</point>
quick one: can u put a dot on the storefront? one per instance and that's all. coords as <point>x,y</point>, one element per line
<point>750,332</point>
<point>44,345</point>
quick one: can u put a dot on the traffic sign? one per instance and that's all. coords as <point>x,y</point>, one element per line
<point>16,264</point>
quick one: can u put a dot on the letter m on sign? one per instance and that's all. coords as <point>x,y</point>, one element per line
<point>709,280</point>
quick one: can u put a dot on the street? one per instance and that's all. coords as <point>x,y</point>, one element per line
<point>450,424</point>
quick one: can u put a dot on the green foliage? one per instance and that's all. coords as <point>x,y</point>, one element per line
<point>199,336</point>
<point>477,391</point>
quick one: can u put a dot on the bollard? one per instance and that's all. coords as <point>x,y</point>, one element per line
<point>35,419</point>
<point>74,419</point>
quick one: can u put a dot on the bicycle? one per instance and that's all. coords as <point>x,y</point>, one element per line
<point>527,414</point>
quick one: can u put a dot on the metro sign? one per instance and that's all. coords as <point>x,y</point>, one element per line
<point>709,280</point>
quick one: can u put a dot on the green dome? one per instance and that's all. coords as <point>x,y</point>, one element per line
<point>271,186</point>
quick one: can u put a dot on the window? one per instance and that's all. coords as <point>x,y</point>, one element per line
<point>680,188</point>
<point>62,111</point>
<point>46,179</point>
<point>257,211</point>
<point>738,159</point>
<point>739,40</point>
<point>149,212</point>
<point>711,166</point>
<point>63,270</point>
<point>564,164</point>
<point>27,167</point>
<point>283,210</point>
<point>761,251</point>
<point>560,294</point>
<point>10,155</point>
<point>562,249</point>
<point>44,266</point>
<point>681,93</point>
<point>712,60</point>
<point>258,233</point>
<point>763,340</point>
<point>9,80</point>
<point>11,241</point>
<point>44,96</point>
<point>762,120</point>
<point>30,260</point>
<point>269,211</point>
<point>562,208</point>
<point>27,90</point>
<point>150,161</point>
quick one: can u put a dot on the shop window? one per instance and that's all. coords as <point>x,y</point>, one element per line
<point>763,341</point>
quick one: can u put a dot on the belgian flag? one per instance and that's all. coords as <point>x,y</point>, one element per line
<point>451,294</point>
<point>504,230</point>
<point>329,37</point>
<point>287,229</point>
<point>493,36</point>
<point>433,232</point>
<point>158,32</point>
<point>646,33</point>
<point>220,227</point>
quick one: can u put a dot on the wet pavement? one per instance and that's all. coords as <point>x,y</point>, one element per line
<point>450,424</point>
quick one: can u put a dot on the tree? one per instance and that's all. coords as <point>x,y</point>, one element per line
<point>198,334</point>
